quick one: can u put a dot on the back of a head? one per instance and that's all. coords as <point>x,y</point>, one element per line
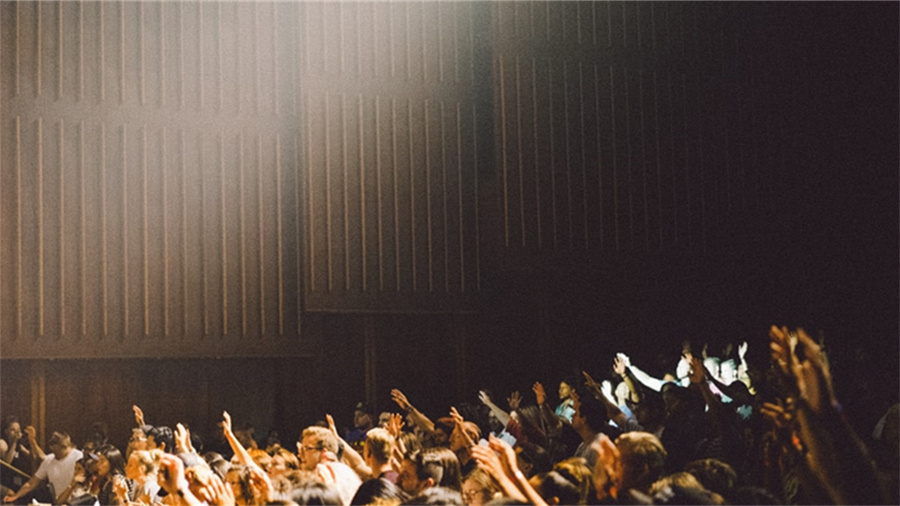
<point>554,485</point>
<point>380,443</point>
<point>576,470</point>
<point>714,475</point>
<point>536,456</point>
<point>437,495</point>
<point>61,439</point>
<point>640,449</point>
<point>378,491</point>
<point>594,412</point>
<point>163,435</point>
<point>675,494</point>
<point>314,493</point>
<point>441,465</point>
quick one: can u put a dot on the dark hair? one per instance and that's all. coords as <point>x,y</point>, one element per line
<point>753,495</point>
<point>714,475</point>
<point>375,489</point>
<point>314,493</point>
<point>594,412</point>
<point>535,455</point>
<point>115,458</point>
<point>439,464</point>
<point>438,495</point>
<point>162,434</point>
<point>217,463</point>
<point>553,484</point>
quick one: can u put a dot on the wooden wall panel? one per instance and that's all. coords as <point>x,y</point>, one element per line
<point>151,179</point>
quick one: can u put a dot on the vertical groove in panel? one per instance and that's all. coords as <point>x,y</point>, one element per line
<point>615,154</point>
<point>412,196</point>
<point>298,225</point>
<point>104,259</point>
<point>537,160</point>
<point>362,195</point>
<point>83,220</point>
<point>311,218</point>
<point>279,235</point>
<point>221,141</point>
<point>519,151</point>
<point>600,166</point>
<point>329,251</point>
<point>59,47</point>
<point>628,156</point>
<point>552,148</point>
<point>408,42</point>
<point>200,78</point>
<point>162,54</point>
<point>378,193</point>
<point>424,44</point>
<point>569,212</point>
<point>62,230</point>
<point>236,77</point>
<point>644,160</point>
<point>346,199</point>
<point>594,28</point>
<point>584,188</point>
<point>396,190</point>
<point>456,42</point>
<point>184,284</point>
<point>142,60</point>
<point>503,150</point>
<point>578,20</point>
<point>275,44</point>
<point>475,192</point>
<point>444,199</point>
<point>659,200</point>
<point>428,228</point>
<point>19,297</point>
<point>165,232</point>
<point>40,168</point>
<point>305,23</point>
<point>459,200</point>
<point>359,42</point>
<point>241,236</point>
<point>16,58</point>
<point>260,236</point>
<point>125,297</point>
<point>673,159</point>
<point>390,16</point>
<point>145,235</point>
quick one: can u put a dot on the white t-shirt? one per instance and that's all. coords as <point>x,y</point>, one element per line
<point>59,472</point>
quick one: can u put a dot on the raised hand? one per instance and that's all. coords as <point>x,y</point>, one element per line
<point>781,414</point>
<point>698,372</point>
<point>742,350</point>
<point>31,432</point>
<point>457,418</point>
<point>400,399</point>
<point>539,393</point>
<point>171,474</point>
<point>331,425</point>
<point>226,423</point>
<point>183,439</point>
<point>484,398</point>
<point>619,366</point>
<point>138,415</point>
<point>589,381</point>
<point>395,425</point>
<point>624,358</point>
<point>261,485</point>
<point>514,400</point>
<point>604,473</point>
<point>216,492</point>
<point>813,375</point>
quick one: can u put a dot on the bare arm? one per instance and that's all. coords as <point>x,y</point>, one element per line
<point>38,454</point>
<point>498,412</point>
<point>416,416</point>
<point>350,456</point>
<point>240,452</point>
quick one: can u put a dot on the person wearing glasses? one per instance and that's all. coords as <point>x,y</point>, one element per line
<point>317,449</point>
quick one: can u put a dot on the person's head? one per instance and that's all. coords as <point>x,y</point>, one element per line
<point>682,479</point>
<point>434,467</point>
<point>217,463</point>
<point>590,413</point>
<point>161,438</point>
<point>12,428</point>
<point>458,441</point>
<point>531,458</point>
<point>676,399</point>
<point>437,496</point>
<point>138,440</point>
<point>478,487</point>
<point>565,390</point>
<point>714,475</point>
<point>555,489</point>
<point>577,471</point>
<point>282,462</point>
<point>378,491</point>
<point>142,464</point>
<point>315,493</point>
<point>60,444</point>
<point>314,447</point>
<point>642,458</point>
<point>362,417</point>
<point>728,371</point>
<point>85,468</point>
<point>440,436</point>
<point>238,478</point>
<point>379,445</point>
<point>384,419</point>
<point>110,461</point>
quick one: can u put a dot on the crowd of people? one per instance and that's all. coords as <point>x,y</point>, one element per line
<point>713,431</point>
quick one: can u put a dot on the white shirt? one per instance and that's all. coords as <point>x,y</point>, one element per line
<point>59,472</point>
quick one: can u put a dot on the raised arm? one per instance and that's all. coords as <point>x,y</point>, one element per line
<point>240,452</point>
<point>498,412</point>
<point>644,378</point>
<point>416,416</point>
<point>37,452</point>
<point>349,455</point>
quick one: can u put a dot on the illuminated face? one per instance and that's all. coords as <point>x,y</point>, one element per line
<point>14,431</point>
<point>102,466</point>
<point>565,390</point>
<point>474,494</point>
<point>277,466</point>
<point>407,479</point>
<point>138,440</point>
<point>309,453</point>
<point>384,419</point>
<point>133,467</point>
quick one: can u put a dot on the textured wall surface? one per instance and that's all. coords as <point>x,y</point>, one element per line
<point>191,178</point>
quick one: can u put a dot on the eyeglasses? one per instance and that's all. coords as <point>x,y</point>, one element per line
<point>308,449</point>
